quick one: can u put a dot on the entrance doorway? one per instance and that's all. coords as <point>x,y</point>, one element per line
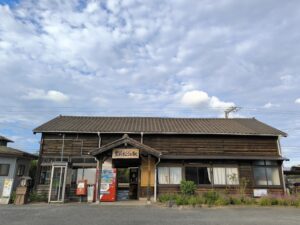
<point>58,182</point>
<point>127,183</point>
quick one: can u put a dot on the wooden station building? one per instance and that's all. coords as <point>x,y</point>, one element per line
<point>125,158</point>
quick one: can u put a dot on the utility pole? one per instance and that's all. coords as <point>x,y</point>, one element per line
<point>230,110</point>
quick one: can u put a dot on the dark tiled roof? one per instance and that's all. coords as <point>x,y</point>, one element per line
<point>12,152</point>
<point>2,138</point>
<point>87,124</point>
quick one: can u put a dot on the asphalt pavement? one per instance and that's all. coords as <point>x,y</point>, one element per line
<point>85,214</point>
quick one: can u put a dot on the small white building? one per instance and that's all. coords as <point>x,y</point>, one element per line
<point>14,164</point>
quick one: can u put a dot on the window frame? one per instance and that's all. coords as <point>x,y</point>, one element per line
<point>225,167</point>
<point>170,166</point>
<point>200,166</point>
<point>22,170</point>
<point>265,166</point>
<point>49,170</point>
<point>5,164</point>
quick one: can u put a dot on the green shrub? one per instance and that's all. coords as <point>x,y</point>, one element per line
<point>193,201</point>
<point>283,202</point>
<point>247,200</point>
<point>213,198</point>
<point>210,197</point>
<point>13,197</point>
<point>235,200</point>
<point>289,201</point>
<point>182,200</point>
<point>164,198</point>
<point>297,202</point>
<point>243,185</point>
<point>35,197</point>
<point>265,201</point>
<point>222,201</point>
<point>188,187</point>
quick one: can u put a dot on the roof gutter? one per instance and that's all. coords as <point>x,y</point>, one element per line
<point>185,133</point>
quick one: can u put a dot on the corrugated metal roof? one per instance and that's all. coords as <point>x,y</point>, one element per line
<point>12,152</point>
<point>158,125</point>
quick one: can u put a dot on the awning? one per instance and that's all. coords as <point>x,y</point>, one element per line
<point>279,158</point>
<point>125,140</point>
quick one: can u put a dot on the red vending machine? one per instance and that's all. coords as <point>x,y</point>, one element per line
<point>108,185</point>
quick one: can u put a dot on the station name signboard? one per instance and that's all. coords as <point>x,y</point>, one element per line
<point>125,153</point>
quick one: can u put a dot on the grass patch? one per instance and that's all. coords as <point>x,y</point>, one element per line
<point>213,198</point>
<point>35,197</point>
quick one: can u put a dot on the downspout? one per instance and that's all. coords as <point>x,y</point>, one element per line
<point>155,179</point>
<point>62,147</point>
<point>99,140</point>
<point>282,175</point>
<point>142,138</point>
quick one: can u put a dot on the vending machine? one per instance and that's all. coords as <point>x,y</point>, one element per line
<point>108,185</point>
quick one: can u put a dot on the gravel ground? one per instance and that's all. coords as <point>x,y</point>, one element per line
<point>40,214</point>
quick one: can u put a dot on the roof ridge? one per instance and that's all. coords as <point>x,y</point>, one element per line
<point>155,117</point>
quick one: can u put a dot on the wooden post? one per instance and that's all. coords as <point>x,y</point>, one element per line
<point>149,179</point>
<point>96,182</point>
<point>99,179</point>
<point>39,162</point>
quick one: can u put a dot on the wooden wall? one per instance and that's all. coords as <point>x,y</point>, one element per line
<point>82,144</point>
<point>213,145</point>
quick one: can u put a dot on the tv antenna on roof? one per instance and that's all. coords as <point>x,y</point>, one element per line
<point>230,110</point>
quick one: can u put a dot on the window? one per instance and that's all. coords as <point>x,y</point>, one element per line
<point>200,175</point>
<point>169,175</point>
<point>266,173</point>
<point>4,169</point>
<point>45,175</point>
<point>21,170</point>
<point>225,176</point>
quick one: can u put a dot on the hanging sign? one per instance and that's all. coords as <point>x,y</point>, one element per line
<point>125,153</point>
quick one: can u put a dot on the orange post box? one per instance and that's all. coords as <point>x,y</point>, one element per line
<point>81,187</point>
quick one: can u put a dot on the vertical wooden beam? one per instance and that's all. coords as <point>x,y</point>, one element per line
<point>149,178</point>
<point>99,179</point>
<point>39,162</point>
<point>96,182</point>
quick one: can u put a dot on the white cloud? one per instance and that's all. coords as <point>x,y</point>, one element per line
<point>270,105</point>
<point>218,104</point>
<point>244,47</point>
<point>297,101</point>
<point>195,98</point>
<point>51,95</point>
<point>187,71</point>
<point>286,77</point>
<point>131,56</point>
<point>198,98</point>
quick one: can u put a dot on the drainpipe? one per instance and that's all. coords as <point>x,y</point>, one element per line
<point>142,138</point>
<point>62,147</point>
<point>99,140</point>
<point>155,179</point>
<point>282,175</point>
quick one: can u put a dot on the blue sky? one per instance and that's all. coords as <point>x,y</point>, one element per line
<point>175,58</point>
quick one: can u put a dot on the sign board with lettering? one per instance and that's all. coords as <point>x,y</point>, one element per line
<point>260,192</point>
<point>125,153</point>
<point>7,188</point>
